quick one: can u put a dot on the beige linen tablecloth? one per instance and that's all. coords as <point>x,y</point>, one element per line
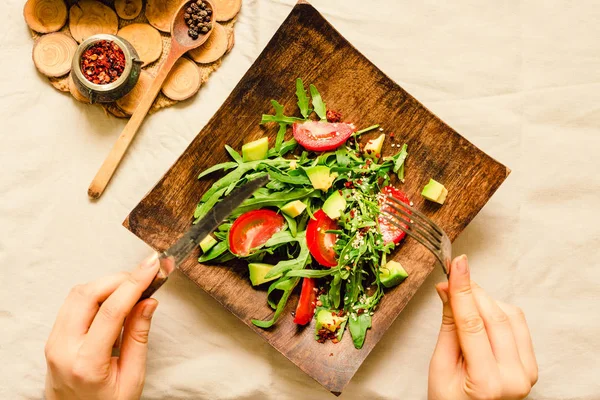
<point>519,78</point>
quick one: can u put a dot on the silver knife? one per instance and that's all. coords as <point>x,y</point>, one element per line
<point>174,255</point>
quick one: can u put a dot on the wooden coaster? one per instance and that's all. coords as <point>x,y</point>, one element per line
<point>145,39</point>
<point>53,54</point>
<point>183,81</point>
<point>45,16</point>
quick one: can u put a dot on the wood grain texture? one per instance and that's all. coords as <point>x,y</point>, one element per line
<point>307,46</point>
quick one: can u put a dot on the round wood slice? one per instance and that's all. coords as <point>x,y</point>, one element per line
<point>130,101</point>
<point>75,92</point>
<point>183,81</point>
<point>45,16</point>
<point>226,9</point>
<point>128,9</point>
<point>90,17</point>
<point>160,13</point>
<point>214,47</point>
<point>53,53</point>
<point>145,40</point>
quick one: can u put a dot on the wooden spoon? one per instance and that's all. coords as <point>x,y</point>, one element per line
<point>181,43</point>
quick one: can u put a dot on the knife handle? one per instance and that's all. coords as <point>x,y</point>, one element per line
<point>167,265</point>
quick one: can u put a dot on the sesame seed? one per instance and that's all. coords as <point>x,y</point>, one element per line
<point>380,129</point>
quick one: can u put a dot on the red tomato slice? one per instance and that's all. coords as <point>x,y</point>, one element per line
<point>253,229</point>
<point>320,243</point>
<point>321,135</point>
<point>307,302</point>
<point>390,232</point>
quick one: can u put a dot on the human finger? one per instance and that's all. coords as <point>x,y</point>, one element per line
<point>109,320</point>
<point>447,349</point>
<point>470,328</point>
<point>523,340</point>
<point>132,361</point>
<point>498,328</point>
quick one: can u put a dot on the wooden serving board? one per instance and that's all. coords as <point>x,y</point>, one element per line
<point>307,46</point>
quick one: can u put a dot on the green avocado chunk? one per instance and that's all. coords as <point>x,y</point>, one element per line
<point>435,191</point>
<point>326,320</point>
<point>294,208</point>
<point>320,177</point>
<point>256,150</point>
<point>391,274</point>
<point>207,243</point>
<point>374,146</point>
<point>334,205</point>
<point>258,272</point>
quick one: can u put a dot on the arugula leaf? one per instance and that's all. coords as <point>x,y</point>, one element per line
<point>277,199</point>
<point>203,208</point>
<point>294,264</point>
<point>278,117</point>
<point>302,98</point>
<point>399,162</point>
<point>365,130</point>
<point>310,273</point>
<point>278,175</point>
<point>291,224</point>
<point>223,166</point>
<point>234,154</point>
<point>280,136</point>
<point>341,156</point>
<point>318,103</point>
<point>217,250</point>
<point>287,289</point>
<point>358,329</point>
<point>334,290</point>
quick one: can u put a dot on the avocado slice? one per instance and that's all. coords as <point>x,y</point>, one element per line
<point>258,272</point>
<point>374,146</point>
<point>391,274</point>
<point>207,243</point>
<point>334,205</point>
<point>326,320</point>
<point>435,191</point>
<point>320,177</point>
<point>256,150</point>
<point>294,208</point>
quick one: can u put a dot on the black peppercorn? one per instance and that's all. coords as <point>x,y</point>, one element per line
<point>204,29</point>
<point>189,10</point>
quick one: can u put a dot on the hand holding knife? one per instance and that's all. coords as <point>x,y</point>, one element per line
<point>178,252</point>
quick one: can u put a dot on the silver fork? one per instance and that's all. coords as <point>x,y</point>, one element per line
<point>420,228</point>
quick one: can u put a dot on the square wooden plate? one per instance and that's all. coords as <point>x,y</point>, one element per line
<point>307,46</point>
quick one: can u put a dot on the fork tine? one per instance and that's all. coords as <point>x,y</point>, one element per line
<point>435,241</point>
<point>431,233</point>
<point>435,226</point>
<point>419,239</point>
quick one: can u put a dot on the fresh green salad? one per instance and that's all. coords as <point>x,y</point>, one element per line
<point>317,224</point>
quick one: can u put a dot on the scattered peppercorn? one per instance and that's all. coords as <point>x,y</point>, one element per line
<point>333,116</point>
<point>198,18</point>
<point>103,62</point>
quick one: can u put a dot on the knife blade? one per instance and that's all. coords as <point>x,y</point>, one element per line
<point>174,255</point>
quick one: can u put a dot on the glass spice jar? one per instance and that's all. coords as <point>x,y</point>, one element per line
<point>106,89</point>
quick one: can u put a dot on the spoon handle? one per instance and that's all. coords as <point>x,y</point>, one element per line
<point>112,161</point>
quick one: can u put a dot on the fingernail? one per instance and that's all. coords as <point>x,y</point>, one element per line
<point>151,262</point>
<point>442,294</point>
<point>462,265</point>
<point>149,309</point>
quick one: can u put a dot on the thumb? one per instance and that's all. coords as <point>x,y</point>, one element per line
<point>447,349</point>
<point>132,362</point>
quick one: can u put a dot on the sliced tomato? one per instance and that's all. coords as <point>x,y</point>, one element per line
<point>253,229</point>
<point>307,302</point>
<point>319,242</point>
<point>390,232</point>
<point>321,135</point>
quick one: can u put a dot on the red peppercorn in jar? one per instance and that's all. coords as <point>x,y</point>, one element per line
<point>103,62</point>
